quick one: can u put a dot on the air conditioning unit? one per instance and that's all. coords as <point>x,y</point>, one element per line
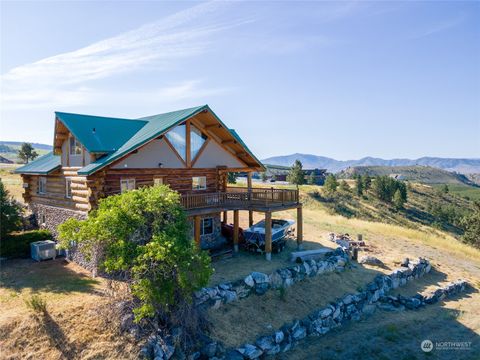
<point>43,250</point>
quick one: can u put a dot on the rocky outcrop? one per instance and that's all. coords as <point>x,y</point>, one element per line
<point>259,283</point>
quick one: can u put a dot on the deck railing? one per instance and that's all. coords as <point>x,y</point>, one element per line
<point>240,197</point>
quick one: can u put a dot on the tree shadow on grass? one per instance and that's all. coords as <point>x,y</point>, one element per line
<point>50,276</point>
<point>56,336</point>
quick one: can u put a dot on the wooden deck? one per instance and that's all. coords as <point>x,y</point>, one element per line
<point>237,198</point>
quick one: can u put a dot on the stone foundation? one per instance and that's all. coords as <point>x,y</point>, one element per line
<point>49,217</point>
<point>214,240</point>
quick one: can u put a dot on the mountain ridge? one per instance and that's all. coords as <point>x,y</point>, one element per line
<point>310,161</point>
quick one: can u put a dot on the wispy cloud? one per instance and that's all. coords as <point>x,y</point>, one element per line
<point>64,78</point>
<point>439,27</point>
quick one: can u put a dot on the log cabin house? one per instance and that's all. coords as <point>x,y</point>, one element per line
<point>191,150</point>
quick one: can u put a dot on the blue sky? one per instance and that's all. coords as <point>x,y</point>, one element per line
<point>337,79</point>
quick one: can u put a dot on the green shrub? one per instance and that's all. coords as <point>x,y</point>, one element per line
<point>37,304</point>
<point>18,244</point>
<point>143,234</point>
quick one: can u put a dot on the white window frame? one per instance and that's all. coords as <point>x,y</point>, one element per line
<point>202,183</point>
<point>68,188</point>
<point>159,180</point>
<point>77,147</point>
<point>127,184</point>
<point>202,227</point>
<point>42,185</point>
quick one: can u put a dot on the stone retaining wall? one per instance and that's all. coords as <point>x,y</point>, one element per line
<point>259,283</point>
<point>350,307</point>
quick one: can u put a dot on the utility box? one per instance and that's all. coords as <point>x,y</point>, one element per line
<point>43,250</point>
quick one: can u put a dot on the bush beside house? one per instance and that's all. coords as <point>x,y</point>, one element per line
<point>18,244</point>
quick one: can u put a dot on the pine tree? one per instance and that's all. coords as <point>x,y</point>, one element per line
<point>263,176</point>
<point>359,185</point>
<point>331,184</point>
<point>10,212</point>
<point>344,186</point>
<point>471,224</point>
<point>398,200</point>
<point>27,152</point>
<point>231,178</point>
<point>445,189</point>
<point>367,182</point>
<point>296,175</point>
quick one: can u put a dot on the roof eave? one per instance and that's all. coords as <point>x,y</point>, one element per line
<point>226,128</point>
<point>37,172</point>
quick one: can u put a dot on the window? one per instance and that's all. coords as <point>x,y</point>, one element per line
<point>158,181</point>
<point>177,137</point>
<point>42,219</point>
<point>207,226</point>
<point>42,185</point>
<point>199,183</point>
<point>75,146</point>
<point>68,188</point>
<point>197,139</point>
<point>127,184</point>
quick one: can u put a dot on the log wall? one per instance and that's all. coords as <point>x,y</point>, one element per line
<point>56,190</point>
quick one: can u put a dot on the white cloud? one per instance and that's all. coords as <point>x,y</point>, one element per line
<point>64,79</point>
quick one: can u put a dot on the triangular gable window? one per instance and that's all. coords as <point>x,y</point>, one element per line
<point>197,139</point>
<point>177,137</point>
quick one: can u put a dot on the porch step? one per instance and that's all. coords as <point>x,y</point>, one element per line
<point>221,254</point>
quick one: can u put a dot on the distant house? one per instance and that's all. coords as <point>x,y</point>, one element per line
<point>191,150</point>
<point>319,175</point>
<point>5,160</point>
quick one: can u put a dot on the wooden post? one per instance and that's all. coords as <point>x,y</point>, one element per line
<point>235,230</point>
<point>268,235</point>
<point>188,155</point>
<point>249,188</point>
<point>196,229</point>
<point>225,217</point>
<point>299,228</point>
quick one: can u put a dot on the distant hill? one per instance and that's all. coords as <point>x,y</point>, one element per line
<point>9,149</point>
<point>421,174</point>
<point>464,166</point>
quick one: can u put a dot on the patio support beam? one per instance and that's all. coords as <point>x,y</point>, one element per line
<point>225,217</point>
<point>268,236</point>
<point>235,230</point>
<point>196,228</point>
<point>249,187</point>
<point>299,228</point>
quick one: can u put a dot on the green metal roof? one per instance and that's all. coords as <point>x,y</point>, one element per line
<point>117,137</point>
<point>41,166</point>
<point>154,126</point>
<point>95,132</point>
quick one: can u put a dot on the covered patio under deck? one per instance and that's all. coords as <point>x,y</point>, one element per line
<point>249,199</point>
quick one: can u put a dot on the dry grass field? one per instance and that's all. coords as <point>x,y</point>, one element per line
<point>453,320</point>
<point>76,326</point>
